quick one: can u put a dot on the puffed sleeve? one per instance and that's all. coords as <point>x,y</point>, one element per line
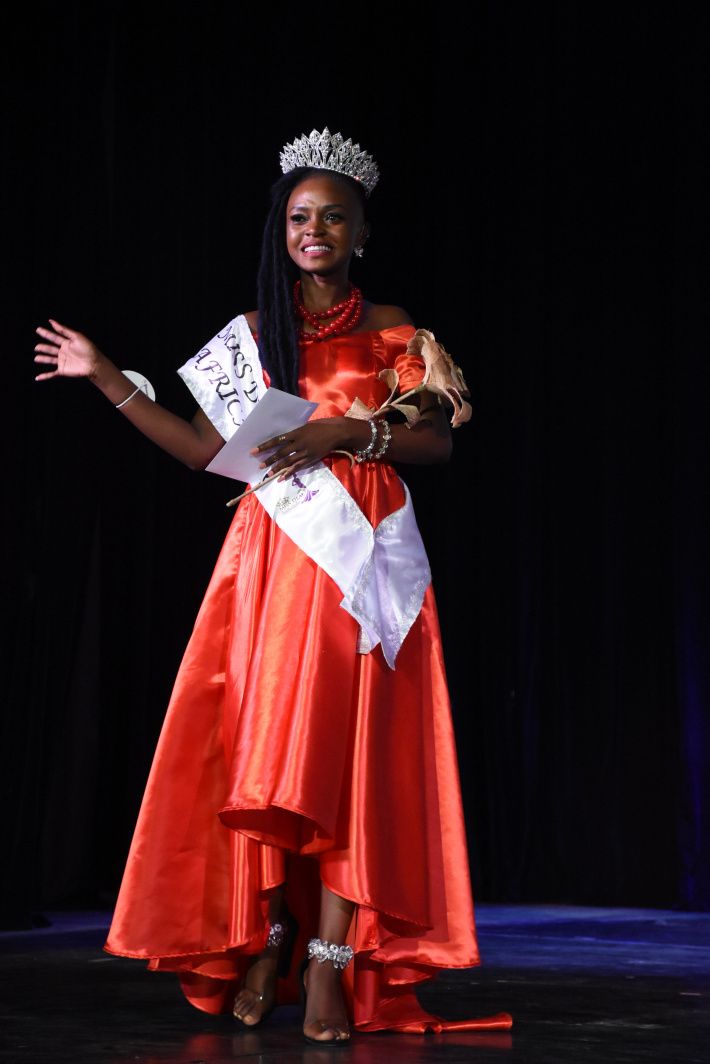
<point>409,367</point>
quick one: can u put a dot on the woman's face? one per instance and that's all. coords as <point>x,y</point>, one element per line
<point>324,223</point>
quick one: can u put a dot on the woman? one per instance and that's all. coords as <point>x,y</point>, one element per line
<point>302,782</point>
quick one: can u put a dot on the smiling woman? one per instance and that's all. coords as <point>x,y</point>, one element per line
<point>325,225</point>
<point>305,789</point>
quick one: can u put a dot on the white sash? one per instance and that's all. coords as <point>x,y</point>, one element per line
<point>383,572</point>
<point>226,377</point>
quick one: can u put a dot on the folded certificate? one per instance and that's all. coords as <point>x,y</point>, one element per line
<point>276,414</point>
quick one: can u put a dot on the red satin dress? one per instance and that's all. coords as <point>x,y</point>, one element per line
<point>282,744</point>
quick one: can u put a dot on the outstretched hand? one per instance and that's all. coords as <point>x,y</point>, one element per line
<point>68,352</point>
<point>303,447</point>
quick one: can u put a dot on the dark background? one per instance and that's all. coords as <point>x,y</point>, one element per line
<point>542,209</point>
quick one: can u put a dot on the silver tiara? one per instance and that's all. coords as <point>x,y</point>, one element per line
<point>323,152</point>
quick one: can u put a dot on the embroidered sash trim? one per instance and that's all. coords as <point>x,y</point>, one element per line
<point>383,573</point>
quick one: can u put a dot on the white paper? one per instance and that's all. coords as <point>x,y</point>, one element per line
<point>274,415</point>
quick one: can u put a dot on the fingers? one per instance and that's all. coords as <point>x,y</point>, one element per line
<point>284,474</point>
<point>280,467</point>
<point>294,464</point>
<point>49,359</point>
<point>69,334</point>
<point>284,450</point>
<point>49,353</point>
<point>276,463</point>
<point>49,335</point>
<point>277,441</point>
<point>60,334</point>
<point>284,462</point>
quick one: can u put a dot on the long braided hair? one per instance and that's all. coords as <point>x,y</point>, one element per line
<point>278,339</point>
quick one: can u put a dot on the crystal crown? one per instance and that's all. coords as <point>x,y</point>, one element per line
<point>325,152</point>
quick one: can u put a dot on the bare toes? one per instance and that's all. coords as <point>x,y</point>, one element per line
<point>323,1032</point>
<point>243,1010</point>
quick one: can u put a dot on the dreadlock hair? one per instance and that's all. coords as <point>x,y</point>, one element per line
<point>278,339</point>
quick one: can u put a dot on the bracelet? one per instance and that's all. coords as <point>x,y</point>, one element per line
<point>366,452</point>
<point>119,405</point>
<point>385,441</point>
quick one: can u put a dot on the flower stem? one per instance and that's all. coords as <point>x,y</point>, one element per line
<point>400,399</point>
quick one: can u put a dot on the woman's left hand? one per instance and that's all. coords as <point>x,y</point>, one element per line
<point>303,447</point>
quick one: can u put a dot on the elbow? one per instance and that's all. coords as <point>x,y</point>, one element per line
<point>197,460</point>
<point>435,456</point>
<point>198,464</point>
<point>441,454</point>
<point>199,455</point>
<point>434,444</point>
<point>436,453</point>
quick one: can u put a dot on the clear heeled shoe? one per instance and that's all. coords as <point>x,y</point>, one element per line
<point>339,957</point>
<point>282,935</point>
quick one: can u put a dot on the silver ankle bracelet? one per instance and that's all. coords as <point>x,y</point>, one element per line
<point>277,933</point>
<point>339,956</point>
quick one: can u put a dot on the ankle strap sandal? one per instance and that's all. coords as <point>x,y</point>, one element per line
<point>339,957</point>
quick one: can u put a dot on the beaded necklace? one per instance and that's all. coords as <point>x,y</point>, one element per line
<point>346,314</point>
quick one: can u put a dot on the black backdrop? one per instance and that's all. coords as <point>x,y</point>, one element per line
<point>541,209</point>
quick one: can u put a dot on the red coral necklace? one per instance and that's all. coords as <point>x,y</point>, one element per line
<point>346,314</point>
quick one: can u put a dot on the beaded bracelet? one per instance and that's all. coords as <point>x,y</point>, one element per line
<point>385,441</point>
<point>366,452</point>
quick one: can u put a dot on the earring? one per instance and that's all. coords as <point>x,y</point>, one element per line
<point>359,251</point>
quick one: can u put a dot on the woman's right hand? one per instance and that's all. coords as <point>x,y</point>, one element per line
<point>69,353</point>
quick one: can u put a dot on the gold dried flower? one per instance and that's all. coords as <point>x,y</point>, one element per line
<point>442,375</point>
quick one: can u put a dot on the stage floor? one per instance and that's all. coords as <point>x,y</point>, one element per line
<point>609,985</point>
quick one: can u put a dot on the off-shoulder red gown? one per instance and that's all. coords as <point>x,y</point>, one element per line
<point>281,739</point>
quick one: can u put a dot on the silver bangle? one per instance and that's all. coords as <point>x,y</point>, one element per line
<point>366,452</point>
<point>119,405</point>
